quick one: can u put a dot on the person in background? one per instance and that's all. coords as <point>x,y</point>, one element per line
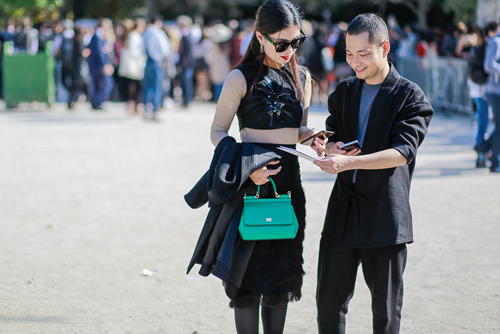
<point>132,65</point>
<point>10,31</point>
<point>65,54</point>
<point>492,93</point>
<point>186,59</point>
<point>368,220</point>
<point>449,41</point>
<point>156,49</point>
<point>407,43</point>
<point>235,42</point>
<point>320,63</point>
<point>79,69</point>
<point>202,87</point>
<point>465,46</point>
<point>341,70</point>
<point>307,49</point>
<point>218,56</point>
<point>58,29</point>
<point>99,66</point>
<point>246,36</point>
<point>45,34</point>
<point>171,76</point>
<point>21,35</point>
<point>118,93</point>
<point>2,41</point>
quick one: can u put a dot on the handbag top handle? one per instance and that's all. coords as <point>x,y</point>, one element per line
<point>257,195</point>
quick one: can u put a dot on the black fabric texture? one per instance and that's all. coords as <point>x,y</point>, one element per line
<point>219,249</point>
<point>274,274</point>
<point>399,119</point>
<point>270,104</point>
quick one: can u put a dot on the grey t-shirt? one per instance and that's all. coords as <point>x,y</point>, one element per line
<point>368,94</point>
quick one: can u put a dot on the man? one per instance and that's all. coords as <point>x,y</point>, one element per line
<point>186,59</point>
<point>492,94</point>
<point>65,54</point>
<point>100,68</point>
<point>368,220</point>
<point>157,49</point>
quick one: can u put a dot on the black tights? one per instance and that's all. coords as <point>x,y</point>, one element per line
<point>273,319</point>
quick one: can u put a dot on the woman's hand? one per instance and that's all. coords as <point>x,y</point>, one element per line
<point>260,176</point>
<point>319,145</point>
<point>334,148</point>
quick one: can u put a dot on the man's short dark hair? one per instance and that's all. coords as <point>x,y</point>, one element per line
<point>371,23</point>
<point>491,26</point>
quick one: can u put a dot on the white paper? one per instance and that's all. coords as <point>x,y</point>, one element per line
<point>297,153</point>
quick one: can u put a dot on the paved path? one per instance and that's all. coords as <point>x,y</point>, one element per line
<point>88,200</point>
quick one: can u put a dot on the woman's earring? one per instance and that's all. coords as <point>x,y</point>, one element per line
<point>261,48</point>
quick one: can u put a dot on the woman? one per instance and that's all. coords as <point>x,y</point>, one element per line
<point>218,56</point>
<point>270,94</point>
<point>132,64</point>
<point>80,69</point>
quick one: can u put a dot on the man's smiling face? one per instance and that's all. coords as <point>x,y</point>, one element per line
<point>367,59</point>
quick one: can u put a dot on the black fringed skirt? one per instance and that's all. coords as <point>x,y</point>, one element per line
<point>274,273</point>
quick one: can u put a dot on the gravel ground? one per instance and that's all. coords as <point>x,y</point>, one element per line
<point>89,200</point>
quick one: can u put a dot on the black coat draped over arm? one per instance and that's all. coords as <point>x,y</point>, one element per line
<point>219,249</point>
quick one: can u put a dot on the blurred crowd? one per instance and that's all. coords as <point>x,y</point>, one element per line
<point>151,63</point>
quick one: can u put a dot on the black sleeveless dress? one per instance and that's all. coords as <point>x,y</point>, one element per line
<point>274,273</point>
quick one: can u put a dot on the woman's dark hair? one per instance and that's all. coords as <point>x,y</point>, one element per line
<point>271,17</point>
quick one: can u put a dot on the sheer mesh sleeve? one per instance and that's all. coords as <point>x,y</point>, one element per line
<point>307,103</point>
<point>233,90</point>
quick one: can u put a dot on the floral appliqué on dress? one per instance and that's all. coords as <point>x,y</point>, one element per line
<point>275,97</point>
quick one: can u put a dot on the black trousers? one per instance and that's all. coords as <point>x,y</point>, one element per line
<point>383,269</point>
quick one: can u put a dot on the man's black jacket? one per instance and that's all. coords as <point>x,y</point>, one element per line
<point>220,250</point>
<point>399,119</point>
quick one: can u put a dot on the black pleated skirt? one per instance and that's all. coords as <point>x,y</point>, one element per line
<point>274,273</point>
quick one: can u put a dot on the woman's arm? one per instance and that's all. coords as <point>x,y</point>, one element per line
<point>304,131</point>
<point>233,91</point>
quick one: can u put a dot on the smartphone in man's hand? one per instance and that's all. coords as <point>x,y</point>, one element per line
<point>350,146</point>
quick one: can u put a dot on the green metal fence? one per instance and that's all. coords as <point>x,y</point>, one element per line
<point>28,78</point>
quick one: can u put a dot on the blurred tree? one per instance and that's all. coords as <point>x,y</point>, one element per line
<point>463,10</point>
<point>419,7</point>
<point>27,7</point>
<point>104,8</point>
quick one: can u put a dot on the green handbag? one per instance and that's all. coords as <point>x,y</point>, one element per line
<point>268,218</point>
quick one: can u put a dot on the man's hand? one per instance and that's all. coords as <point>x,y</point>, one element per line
<point>334,148</point>
<point>108,70</point>
<point>336,163</point>
<point>333,163</point>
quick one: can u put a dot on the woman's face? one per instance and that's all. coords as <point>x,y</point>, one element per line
<point>273,58</point>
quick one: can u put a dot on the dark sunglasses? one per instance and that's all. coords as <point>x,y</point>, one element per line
<point>282,46</point>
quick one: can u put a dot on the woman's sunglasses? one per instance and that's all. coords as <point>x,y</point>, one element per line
<point>282,46</point>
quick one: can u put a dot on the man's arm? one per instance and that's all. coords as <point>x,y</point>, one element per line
<point>491,64</point>
<point>336,163</point>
